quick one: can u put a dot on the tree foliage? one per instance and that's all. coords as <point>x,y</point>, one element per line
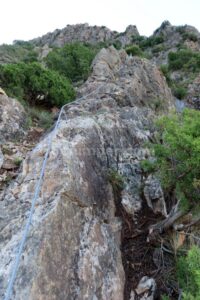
<point>177,153</point>
<point>134,50</point>
<point>73,60</point>
<point>185,60</point>
<point>36,84</point>
<point>188,273</point>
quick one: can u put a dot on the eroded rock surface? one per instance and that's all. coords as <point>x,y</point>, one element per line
<point>12,118</point>
<point>85,33</point>
<point>73,248</point>
<point>174,36</point>
<point>154,195</point>
<point>193,96</point>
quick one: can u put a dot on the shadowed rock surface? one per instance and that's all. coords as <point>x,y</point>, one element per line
<point>73,248</point>
<point>12,118</point>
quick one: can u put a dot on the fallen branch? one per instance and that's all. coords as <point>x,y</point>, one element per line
<point>164,225</point>
<point>181,227</point>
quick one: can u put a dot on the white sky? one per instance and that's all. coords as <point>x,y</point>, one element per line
<point>27,19</point>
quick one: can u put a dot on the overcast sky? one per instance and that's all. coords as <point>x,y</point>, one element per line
<point>27,19</point>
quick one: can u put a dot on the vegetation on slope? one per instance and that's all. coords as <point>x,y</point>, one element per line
<point>176,149</point>
<point>35,84</point>
<point>187,63</point>
<point>19,52</point>
<point>184,59</point>
<point>72,61</point>
<point>23,77</point>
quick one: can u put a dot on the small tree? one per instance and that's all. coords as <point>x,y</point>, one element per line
<point>188,273</point>
<point>73,61</point>
<point>135,51</point>
<point>36,84</point>
<point>177,153</point>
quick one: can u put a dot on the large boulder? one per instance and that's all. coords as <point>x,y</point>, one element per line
<point>12,118</point>
<point>129,80</point>
<point>73,248</point>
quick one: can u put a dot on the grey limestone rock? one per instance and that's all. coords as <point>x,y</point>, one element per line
<point>73,247</point>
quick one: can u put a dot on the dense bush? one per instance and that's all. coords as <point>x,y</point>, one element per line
<point>187,35</point>
<point>190,36</point>
<point>188,273</point>
<point>138,39</point>
<point>73,60</point>
<point>179,91</point>
<point>117,44</point>
<point>135,51</point>
<point>185,60</point>
<point>158,48</point>
<point>36,84</point>
<point>177,155</point>
<point>151,42</point>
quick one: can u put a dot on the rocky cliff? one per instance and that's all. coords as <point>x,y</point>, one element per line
<point>74,248</point>
<point>86,34</point>
<point>175,37</point>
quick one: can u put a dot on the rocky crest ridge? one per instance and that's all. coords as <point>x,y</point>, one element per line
<point>174,36</point>
<point>85,33</point>
<point>73,248</point>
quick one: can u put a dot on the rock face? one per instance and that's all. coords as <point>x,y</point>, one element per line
<point>146,288</point>
<point>154,195</point>
<point>1,158</point>
<point>193,97</point>
<point>12,118</point>
<point>85,33</point>
<point>173,37</point>
<point>73,248</point>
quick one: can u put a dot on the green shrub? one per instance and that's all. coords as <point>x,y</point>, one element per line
<point>179,92</point>
<point>117,44</point>
<point>177,154</point>
<point>165,297</point>
<point>138,38</point>
<point>73,61</point>
<point>188,274</point>
<point>36,84</point>
<point>190,36</point>
<point>147,166</point>
<point>18,161</point>
<point>186,60</point>
<point>135,51</point>
<point>165,70</point>
<point>116,180</point>
<point>158,48</point>
<point>178,59</point>
<point>157,104</point>
<point>42,118</point>
<point>186,35</point>
<point>151,42</point>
